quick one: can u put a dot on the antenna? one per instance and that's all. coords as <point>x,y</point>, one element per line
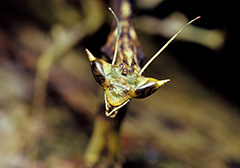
<point>118,34</point>
<point>161,50</point>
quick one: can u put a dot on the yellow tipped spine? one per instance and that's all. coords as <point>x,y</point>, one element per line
<point>90,56</point>
<point>163,82</point>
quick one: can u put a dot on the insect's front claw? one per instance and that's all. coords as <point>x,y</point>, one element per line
<point>111,114</point>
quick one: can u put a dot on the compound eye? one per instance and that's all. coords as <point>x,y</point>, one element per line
<point>146,89</point>
<point>97,71</point>
<point>97,68</point>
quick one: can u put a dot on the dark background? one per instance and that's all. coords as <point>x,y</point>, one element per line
<point>216,69</point>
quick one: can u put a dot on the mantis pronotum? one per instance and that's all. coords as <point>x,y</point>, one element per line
<point>122,79</point>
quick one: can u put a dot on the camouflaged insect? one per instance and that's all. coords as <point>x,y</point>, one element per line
<point>122,80</point>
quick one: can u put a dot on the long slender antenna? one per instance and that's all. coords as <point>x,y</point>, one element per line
<point>118,34</point>
<point>169,41</point>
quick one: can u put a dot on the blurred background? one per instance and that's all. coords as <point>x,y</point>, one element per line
<point>48,97</point>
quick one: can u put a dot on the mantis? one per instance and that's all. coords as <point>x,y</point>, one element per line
<point>122,79</point>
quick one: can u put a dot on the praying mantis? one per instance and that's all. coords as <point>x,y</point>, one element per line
<point>122,79</point>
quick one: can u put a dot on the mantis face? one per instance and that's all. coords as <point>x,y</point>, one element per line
<point>120,84</point>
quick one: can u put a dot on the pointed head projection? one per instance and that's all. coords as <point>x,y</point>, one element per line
<point>120,82</point>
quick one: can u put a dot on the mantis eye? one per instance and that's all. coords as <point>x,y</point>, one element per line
<point>148,88</point>
<point>98,72</point>
<point>97,68</point>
